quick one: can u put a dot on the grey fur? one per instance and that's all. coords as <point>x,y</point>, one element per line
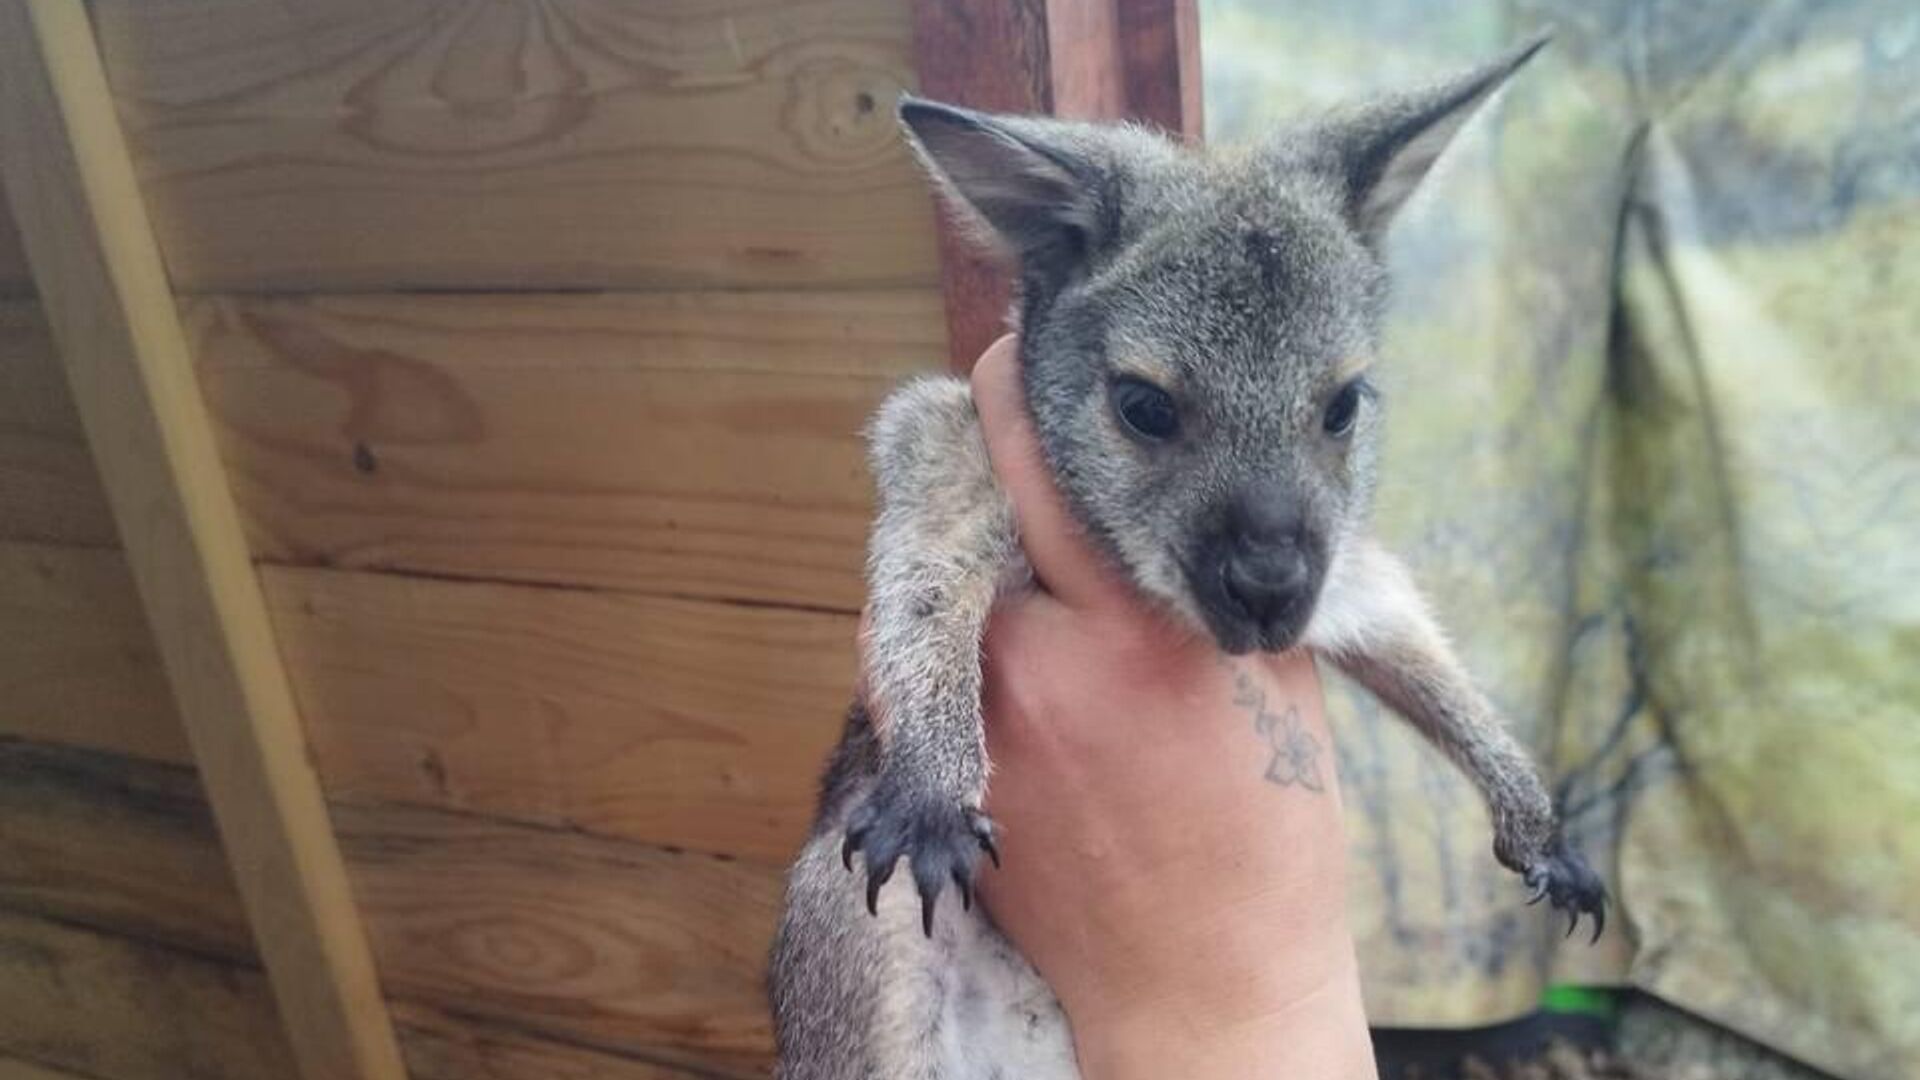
<point>1248,282</point>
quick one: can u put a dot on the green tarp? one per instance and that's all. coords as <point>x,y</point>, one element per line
<point>1654,382</point>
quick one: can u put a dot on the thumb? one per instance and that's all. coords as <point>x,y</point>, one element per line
<point>1063,560</point>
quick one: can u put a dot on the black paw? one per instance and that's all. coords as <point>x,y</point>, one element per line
<point>1563,877</point>
<point>941,841</point>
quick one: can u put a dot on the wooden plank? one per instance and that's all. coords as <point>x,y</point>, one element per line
<point>118,845</point>
<point>466,1050</point>
<point>632,961</point>
<point>699,444</point>
<point>682,723</point>
<point>440,1046</point>
<point>1087,59</point>
<point>489,928</point>
<point>15,1069</point>
<point>78,665</point>
<point>595,941</point>
<point>571,143</point>
<point>99,275</point>
<point>48,485</point>
<point>105,1007</point>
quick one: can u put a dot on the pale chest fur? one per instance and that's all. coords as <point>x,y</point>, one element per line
<point>963,1004</point>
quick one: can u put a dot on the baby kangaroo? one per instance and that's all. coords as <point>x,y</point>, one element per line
<point>1195,327</point>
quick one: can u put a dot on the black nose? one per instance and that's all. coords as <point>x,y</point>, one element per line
<point>1265,582</point>
<point>1262,561</point>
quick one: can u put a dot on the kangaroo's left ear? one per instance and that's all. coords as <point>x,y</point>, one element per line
<point>1380,151</point>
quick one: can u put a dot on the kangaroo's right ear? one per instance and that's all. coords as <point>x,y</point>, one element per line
<point>1038,190</point>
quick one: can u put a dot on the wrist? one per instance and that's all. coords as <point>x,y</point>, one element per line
<point>1306,1026</point>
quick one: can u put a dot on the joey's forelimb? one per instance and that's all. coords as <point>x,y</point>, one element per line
<point>943,546</point>
<point>1376,627</point>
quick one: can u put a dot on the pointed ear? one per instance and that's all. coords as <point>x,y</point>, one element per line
<point>1029,188</point>
<point>1381,151</point>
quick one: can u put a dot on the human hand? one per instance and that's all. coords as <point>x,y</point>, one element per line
<point>1174,859</point>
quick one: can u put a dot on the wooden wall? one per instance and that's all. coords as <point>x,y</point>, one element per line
<point>119,924</point>
<point>537,338</point>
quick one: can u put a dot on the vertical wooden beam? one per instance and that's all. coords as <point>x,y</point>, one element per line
<point>989,54</point>
<point>1087,59</point>
<point>1160,62</point>
<point>1084,54</point>
<point>100,277</point>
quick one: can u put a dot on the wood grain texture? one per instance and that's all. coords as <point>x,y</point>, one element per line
<point>556,144</point>
<point>114,1009</point>
<point>99,275</point>
<point>518,952</point>
<point>440,1046</point>
<point>689,724</point>
<point>78,665</point>
<point>16,1069</point>
<point>117,845</point>
<point>699,445</point>
<point>49,489</point>
<point>600,942</point>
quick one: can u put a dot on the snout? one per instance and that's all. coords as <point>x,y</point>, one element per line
<point>1263,586</point>
<point>1256,582</point>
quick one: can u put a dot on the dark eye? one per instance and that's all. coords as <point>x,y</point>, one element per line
<point>1344,409</point>
<point>1145,409</point>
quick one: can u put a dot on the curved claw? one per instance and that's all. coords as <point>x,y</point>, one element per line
<point>983,831</point>
<point>875,879</point>
<point>936,838</point>
<point>1563,877</point>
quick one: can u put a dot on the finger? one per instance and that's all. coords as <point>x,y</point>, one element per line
<point>1063,561</point>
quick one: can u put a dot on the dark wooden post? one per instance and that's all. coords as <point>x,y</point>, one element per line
<point>1090,59</point>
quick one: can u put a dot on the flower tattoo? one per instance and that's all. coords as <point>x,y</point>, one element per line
<point>1296,753</point>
